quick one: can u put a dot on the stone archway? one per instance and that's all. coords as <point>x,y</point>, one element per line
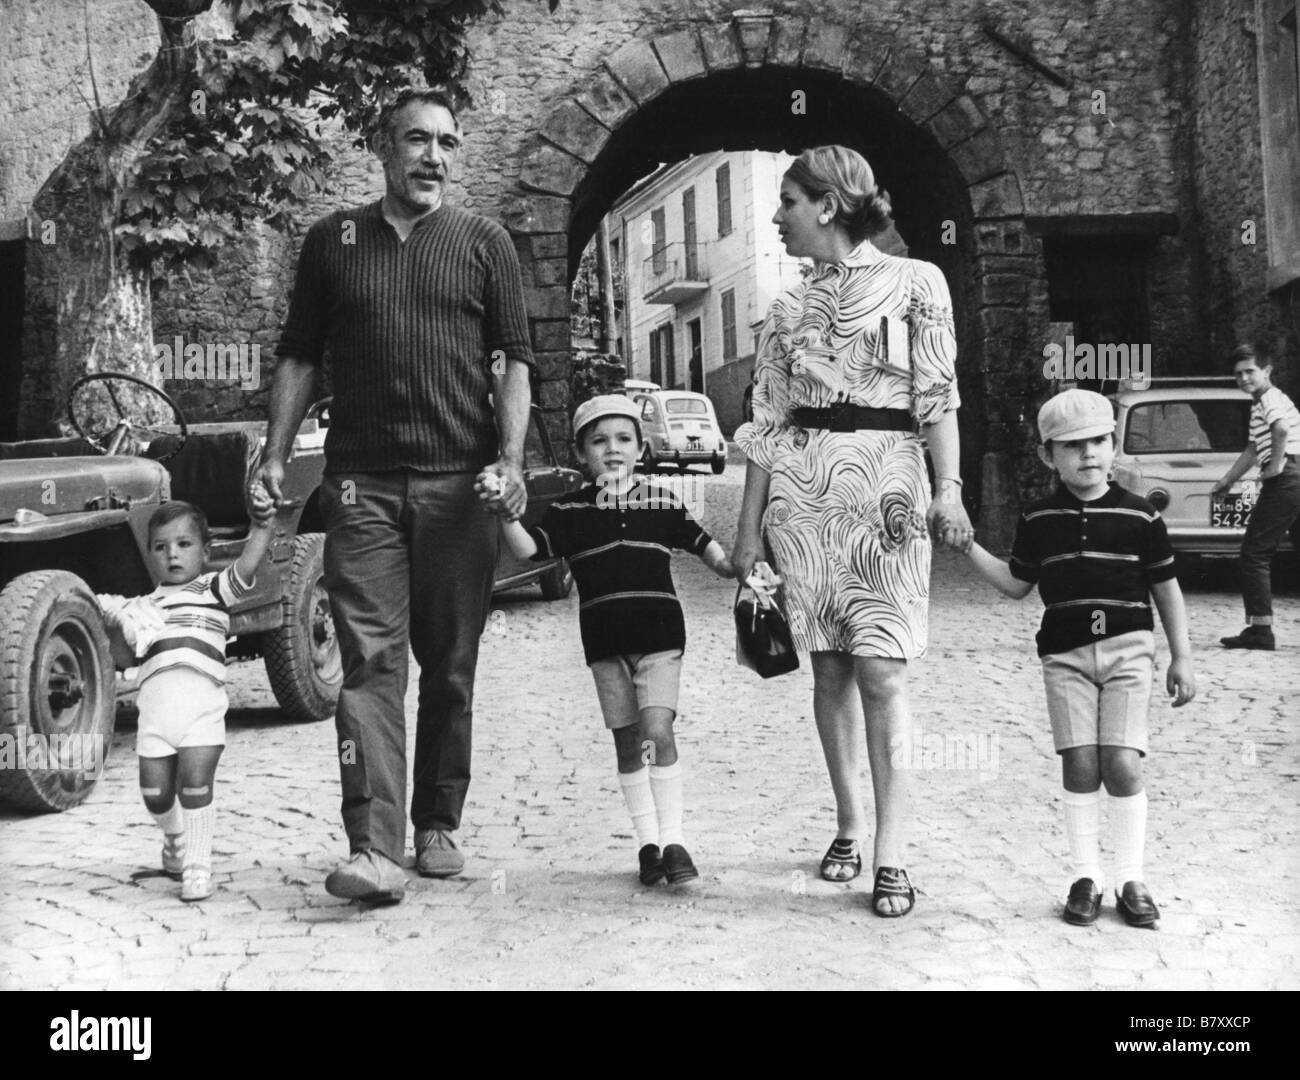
<point>732,85</point>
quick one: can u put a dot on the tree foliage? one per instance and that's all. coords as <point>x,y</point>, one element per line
<point>246,142</point>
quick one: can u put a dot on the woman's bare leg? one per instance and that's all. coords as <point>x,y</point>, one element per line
<point>883,686</point>
<point>839,726</point>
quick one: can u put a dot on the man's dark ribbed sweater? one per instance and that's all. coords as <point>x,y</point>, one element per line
<point>409,329</point>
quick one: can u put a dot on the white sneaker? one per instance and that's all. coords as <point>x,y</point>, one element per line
<point>196,883</point>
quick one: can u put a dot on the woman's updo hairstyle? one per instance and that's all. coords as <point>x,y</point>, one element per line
<point>836,170</point>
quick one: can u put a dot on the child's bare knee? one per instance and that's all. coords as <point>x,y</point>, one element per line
<point>193,798</point>
<point>1121,770</point>
<point>1080,771</point>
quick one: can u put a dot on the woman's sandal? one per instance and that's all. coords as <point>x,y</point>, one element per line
<point>844,857</point>
<point>891,881</point>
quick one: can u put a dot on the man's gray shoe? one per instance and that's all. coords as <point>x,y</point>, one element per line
<point>436,854</point>
<point>368,876</point>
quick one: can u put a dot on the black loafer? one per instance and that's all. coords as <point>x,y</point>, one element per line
<point>678,865</point>
<point>1083,904</point>
<point>1136,905</point>
<point>1253,637</point>
<point>652,865</point>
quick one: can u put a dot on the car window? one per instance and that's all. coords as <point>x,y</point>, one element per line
<point>648,410</point>
<point>681,406</point>
<point>535,446</point>
<point>1187,427</point>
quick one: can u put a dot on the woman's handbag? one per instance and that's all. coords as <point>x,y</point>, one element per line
<point>763,642</point>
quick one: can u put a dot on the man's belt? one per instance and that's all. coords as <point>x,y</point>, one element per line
<point>853,418</point>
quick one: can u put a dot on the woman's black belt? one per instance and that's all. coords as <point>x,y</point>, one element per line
<point>853,418</point>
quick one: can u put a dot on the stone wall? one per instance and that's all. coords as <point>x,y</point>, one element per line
<point>1229,176</point>
<point>45,83</point>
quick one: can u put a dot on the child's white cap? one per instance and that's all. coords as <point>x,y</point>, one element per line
<point>604,405</point>
<point>1075,414</point>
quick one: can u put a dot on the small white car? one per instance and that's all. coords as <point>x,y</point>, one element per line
<point>1173,441</point>
<point>680,428</point>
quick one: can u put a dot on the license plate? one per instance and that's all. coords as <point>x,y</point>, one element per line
<point>1232,511</point>
<point>693,442</point>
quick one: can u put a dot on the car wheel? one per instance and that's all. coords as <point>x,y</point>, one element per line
<point>56,682</point>
<point>647,459</point>
<point>718,465</point>
<point>302,656</point>
<point>557,582</point>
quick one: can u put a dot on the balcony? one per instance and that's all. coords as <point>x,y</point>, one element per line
<point>675,274</point>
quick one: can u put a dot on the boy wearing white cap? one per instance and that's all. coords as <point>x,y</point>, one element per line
<point>1098,554</point>
<point>618,539</point>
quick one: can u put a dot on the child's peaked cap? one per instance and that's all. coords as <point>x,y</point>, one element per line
<point>604,405</point>
<point>1075,414</point>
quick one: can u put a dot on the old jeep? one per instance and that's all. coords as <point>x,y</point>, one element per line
<point>73,524</point>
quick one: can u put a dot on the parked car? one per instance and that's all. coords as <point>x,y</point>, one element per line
<point>1174,440</point>
<point>74,523</point>
<point>681,428</point>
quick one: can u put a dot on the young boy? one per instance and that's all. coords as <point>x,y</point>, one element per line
<point>617,534</point>
<point>1275,445</point>
<point>182,698</point>
<point>1098,553</point>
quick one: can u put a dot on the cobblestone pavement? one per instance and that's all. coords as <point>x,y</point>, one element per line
<point>549,898</point>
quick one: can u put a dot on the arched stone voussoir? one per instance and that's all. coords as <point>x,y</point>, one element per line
<point>572,128</point>
<point>928,96</point>
<point>551,171</point>
<point>900,72</point>
<point>681,56</point>
<point>826,46</point>
<point>997,197</point>
<point>960,119</point>
<point>785,44</point>
<point>637,70</point>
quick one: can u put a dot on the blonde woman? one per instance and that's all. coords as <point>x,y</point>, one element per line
<point>850,365</point>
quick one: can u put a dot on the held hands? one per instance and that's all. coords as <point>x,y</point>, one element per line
<point>948,522</point>
<point>261,506</point>
<point>501,487</point>
<point>1180,681</point>
<point>747,550</point>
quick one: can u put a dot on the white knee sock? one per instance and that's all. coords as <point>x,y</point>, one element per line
<point>640,804</point>
<point>1082,825</point>
<point>666,784</point>
<point>198,836</point>
<point>171,821</point>
<point>1128,824</point>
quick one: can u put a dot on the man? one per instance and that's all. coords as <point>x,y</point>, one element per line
<point>420,306</point>
<point>1275,445</point>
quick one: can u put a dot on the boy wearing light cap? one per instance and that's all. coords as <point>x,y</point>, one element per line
<point>1098,554</point>
<point>618,534</point>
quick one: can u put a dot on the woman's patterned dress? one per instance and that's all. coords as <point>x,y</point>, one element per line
<point>845,517</point>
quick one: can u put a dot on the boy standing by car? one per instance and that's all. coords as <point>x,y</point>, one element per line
<point>1098,554</point>
<point>617,534</point>
<point>1275,446</point>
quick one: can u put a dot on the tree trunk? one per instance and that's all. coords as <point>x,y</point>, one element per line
<point>87,308</point>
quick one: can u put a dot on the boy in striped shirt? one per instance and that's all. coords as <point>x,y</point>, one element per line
<point>618,534</point>
<point>1275,446</point>
<point>1098,554</point>
<point>182,698</point>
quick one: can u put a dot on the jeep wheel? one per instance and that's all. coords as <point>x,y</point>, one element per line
<point>56,691</point>
<point>557,582</point>
<point>302,656</point>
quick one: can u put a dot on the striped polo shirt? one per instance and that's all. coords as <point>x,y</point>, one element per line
<point>620,549</point>
<point>1094,564</point>
<point>198,622</point>
<point>410,330</point>
<point>1272,406</point>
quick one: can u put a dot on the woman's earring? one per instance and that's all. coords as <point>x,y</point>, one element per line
<point>825,219</point>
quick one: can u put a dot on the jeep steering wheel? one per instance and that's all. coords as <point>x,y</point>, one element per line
<point>94,398</point>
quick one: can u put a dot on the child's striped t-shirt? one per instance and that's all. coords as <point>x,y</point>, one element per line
<point>1272,406</point>
<point>198,623</point>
